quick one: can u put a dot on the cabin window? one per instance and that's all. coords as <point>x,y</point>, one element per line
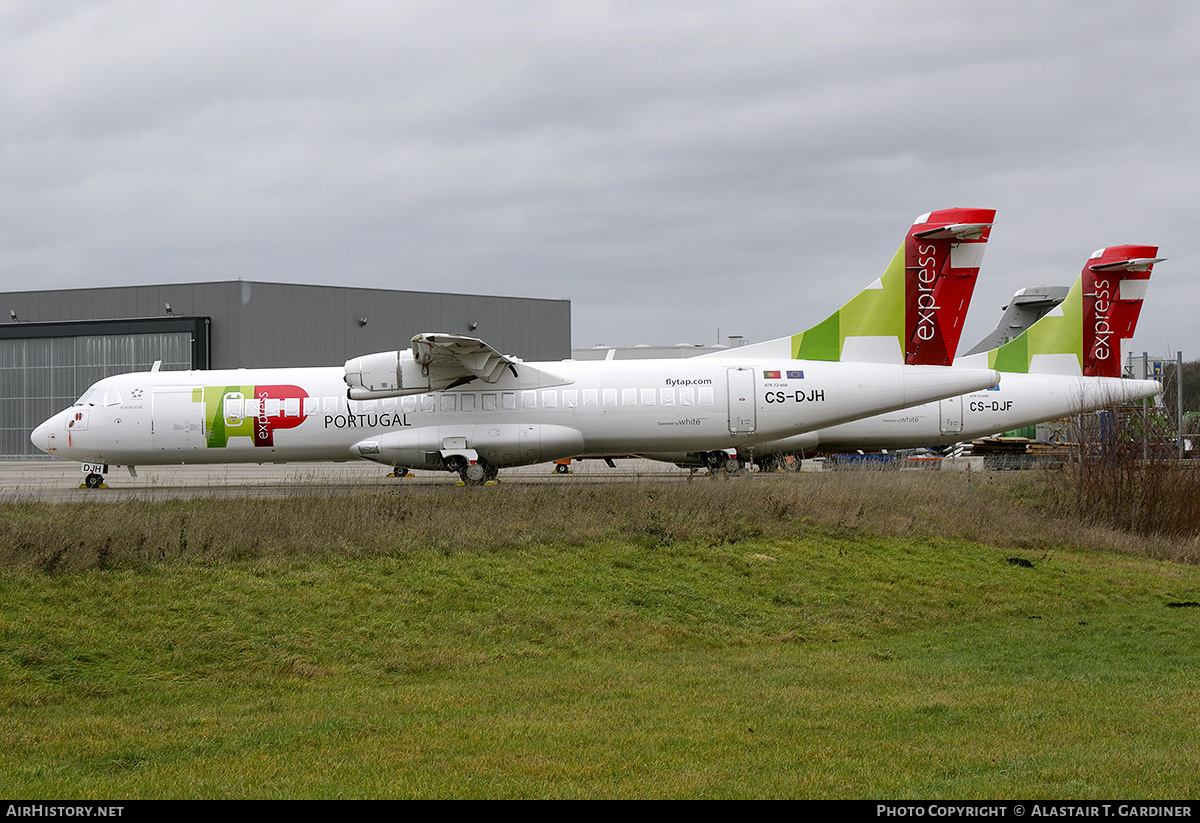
<point>428,403</point>
<point>648,397</point>
<point>508,400</point>
<point>590,397</point>
<point>489,402</point>
<point>550,399</point>
<point>666,397</point>
<point>706,396</point>
<point>529,400</point>
<point>332,405</point>
<point>408,404</point>
<point>687,396</point>
<point>448,402</point>
<point>628,397</point>
<point>468,402</point>
<point>610,397</point>
<point>291,407</point>
<point>569,398</point>
<point>310,406</point>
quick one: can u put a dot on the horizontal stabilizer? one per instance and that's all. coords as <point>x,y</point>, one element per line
<point>1134,264</point>
<point>955,231</point>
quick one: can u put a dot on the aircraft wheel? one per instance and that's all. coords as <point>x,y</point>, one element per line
<point>733,465</point>
<point>93,480</point>
<point>475,474</point>
<point>561,468</point>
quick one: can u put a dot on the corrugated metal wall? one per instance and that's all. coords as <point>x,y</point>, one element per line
<point>256,324</point>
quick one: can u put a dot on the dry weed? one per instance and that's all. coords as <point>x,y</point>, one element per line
<point>1028,509</point>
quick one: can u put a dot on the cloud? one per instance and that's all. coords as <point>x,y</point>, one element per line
<point>672,168</point>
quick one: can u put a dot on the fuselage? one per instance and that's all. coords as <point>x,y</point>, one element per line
<point>547,411</point>
<point>1020,400</point>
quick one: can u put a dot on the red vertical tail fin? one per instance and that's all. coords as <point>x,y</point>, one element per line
<point>1114,284</point>
<point>942,255</point>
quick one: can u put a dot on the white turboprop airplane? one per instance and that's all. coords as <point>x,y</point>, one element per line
<point>1067,362</point>
<point>455,403</point>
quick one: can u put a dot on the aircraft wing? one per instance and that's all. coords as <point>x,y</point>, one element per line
<point>440,362</point>
<point>450,358</point>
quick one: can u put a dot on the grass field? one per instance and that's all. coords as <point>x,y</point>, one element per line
<point>873,635</point>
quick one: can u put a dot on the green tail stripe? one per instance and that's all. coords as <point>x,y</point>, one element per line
<point>1053,334</point>
<point>871,313</point>
<point>214,414</point>
<point>821,342</point>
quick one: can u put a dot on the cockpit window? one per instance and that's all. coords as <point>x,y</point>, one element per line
<point>99,396</point>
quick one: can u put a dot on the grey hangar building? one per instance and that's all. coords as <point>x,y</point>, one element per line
<point>54,344</point>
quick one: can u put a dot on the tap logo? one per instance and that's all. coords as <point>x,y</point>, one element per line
<point>256,412</point>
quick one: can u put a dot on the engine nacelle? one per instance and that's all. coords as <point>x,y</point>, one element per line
<point>500,445</point>
<point>388,374</point>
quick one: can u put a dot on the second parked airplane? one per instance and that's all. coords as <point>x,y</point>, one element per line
<point>1067,362</point>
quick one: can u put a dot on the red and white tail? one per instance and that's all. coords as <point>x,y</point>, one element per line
<point>913,313</point>
<point>1114,285</point>
<point>942,255</point>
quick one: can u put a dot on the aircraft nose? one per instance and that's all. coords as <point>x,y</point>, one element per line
<point>40,437</point>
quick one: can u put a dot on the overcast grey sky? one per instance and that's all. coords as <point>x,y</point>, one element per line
<point>672,168</point>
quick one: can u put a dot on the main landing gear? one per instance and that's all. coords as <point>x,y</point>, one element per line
<point>779,463</point>
<point>770,463</point>
<point>479,473</point>
<point>719,462</point>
